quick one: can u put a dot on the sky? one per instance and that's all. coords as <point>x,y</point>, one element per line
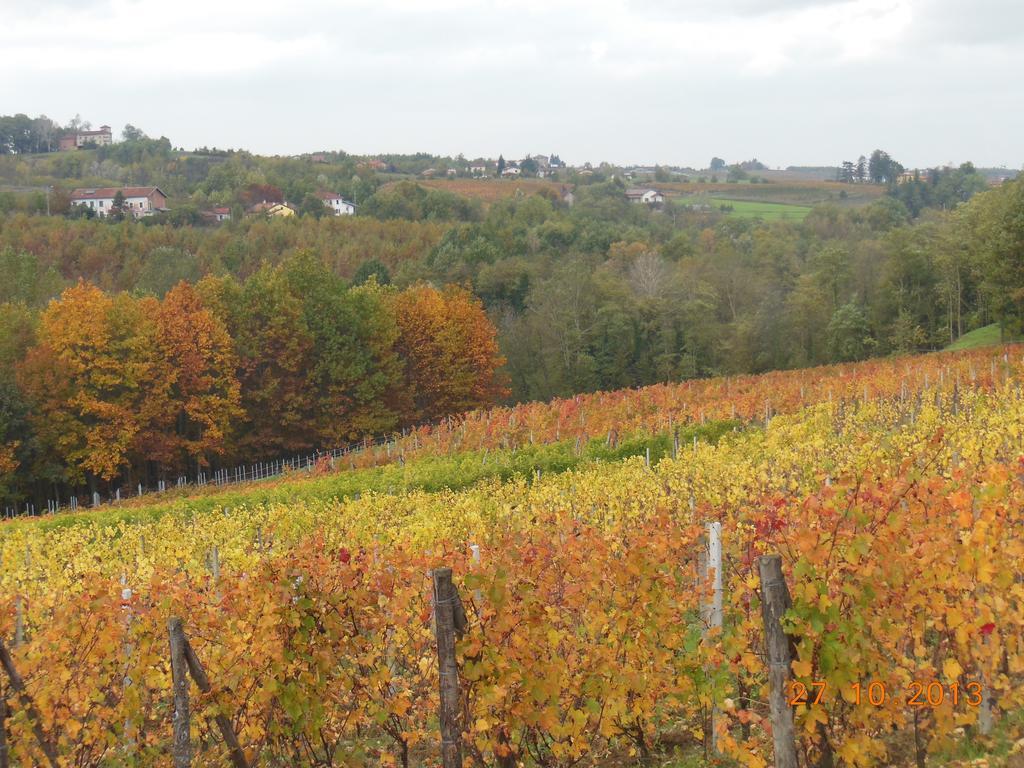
<point>790,82</point>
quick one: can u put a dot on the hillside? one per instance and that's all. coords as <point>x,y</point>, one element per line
<point>308,606</point>
<point>651,415</point>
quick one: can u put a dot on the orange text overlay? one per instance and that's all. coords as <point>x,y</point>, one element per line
<point>878,694</point>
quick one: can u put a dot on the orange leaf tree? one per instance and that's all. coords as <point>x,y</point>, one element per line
<point>93,377</point>
<point>450,350</point>
<point>197,362</point>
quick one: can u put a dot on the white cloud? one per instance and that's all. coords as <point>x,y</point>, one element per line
<point>451,75</point>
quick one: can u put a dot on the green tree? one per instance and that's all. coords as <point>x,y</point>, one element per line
<point>994,227</point>
<point>313,206</point>
<point>372,268</point>
<point>117,210</point>
<point>25,279</point>
<point>165,267</point>
<point>131,133</point>
<point>849,335</point>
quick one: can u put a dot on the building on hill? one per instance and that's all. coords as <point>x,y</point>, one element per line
<point>339,206</point>
<point>271,209</point>
<point>646,196</point>
<point>281,210</point>
<point>101,138</point>
<point>138,201</point>
<point>216,215</point>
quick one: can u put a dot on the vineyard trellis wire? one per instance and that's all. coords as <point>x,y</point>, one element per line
<point>242,473</point>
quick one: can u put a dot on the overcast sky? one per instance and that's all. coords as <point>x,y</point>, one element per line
<point>792,82</point>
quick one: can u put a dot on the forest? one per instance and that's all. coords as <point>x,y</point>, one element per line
<point>99,387</point>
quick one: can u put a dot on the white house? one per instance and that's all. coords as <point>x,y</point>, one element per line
<point>339,206</point>
<point>138,201</point>
<point>646,196</point>
<point>511,172</point>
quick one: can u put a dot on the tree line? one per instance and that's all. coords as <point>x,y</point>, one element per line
<point>102,389</point>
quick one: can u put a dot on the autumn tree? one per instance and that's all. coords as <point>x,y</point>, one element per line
<point>93,378</point>
<point>450,351</point>
<point>273,350</point>
<point>197,364</point>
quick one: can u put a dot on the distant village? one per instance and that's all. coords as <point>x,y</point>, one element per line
<point>143,201</point>
<point>139,202</point>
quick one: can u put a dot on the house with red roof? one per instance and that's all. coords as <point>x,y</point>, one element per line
<point>138,201</point>
<point>218,214</point>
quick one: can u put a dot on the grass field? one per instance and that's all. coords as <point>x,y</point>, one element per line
<point>788,192</point>
<point>980,337</point>
<point>748,209</point>
<point>745,209</point>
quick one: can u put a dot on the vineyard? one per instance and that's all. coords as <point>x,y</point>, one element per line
<point>892,490</point>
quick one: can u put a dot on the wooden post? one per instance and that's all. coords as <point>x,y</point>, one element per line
<point>181,748</point>
<point>19,622</point>
<point>715,571</point>
<point>128,649</point>
<point>18,686</point>
<point>449,616</point>
<point>477,594</point>
<point>195,668</point>
<point>710,561</point>
<point>4,757</point>
<point>215,572</point>
<point>775,602</point>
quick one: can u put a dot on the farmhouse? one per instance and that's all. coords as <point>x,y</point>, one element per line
<point>281,210</point>
<point>271,209</point>
<point>646,196</point>
<point>138,201</point>
<point>101,138</point>
<point>511,172</point>
<point>218,214</point>
<point>339,206</point>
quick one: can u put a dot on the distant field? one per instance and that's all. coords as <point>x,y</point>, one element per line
<point>492,190</point>
<point>808,193</point>
<point>746,209</point>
